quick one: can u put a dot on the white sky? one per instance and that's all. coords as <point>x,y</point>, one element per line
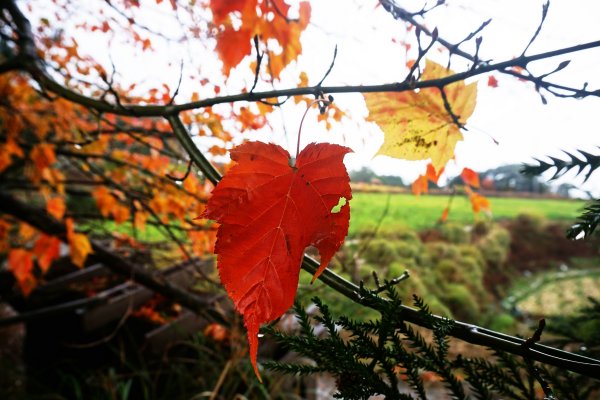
<point>512,113</point>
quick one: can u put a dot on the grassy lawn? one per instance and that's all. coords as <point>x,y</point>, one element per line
<point>419,212</point>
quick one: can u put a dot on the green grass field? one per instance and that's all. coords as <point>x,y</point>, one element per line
<point>419,212</point>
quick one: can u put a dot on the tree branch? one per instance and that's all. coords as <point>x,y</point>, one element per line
<point>34,65</point>
<point>467,332</point>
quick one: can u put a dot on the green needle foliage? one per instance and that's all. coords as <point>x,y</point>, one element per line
<point>563,166</point>
<point>389,357</point>
<point>588,221</point>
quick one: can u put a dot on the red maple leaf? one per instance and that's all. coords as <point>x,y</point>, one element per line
<point>270,210</point>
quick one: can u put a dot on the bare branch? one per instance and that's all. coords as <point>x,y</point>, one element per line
<point>539,28</point>
<point>178,84</point>
<point>259,58</point>
<point>330,67</point>
<point>448,107</point>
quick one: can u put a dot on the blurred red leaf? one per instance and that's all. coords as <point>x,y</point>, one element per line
<point>492,81</point>
<point>470,177</point>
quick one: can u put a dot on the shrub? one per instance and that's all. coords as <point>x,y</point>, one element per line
<point>534,222</point>
<point>502,322</point>
<point>440,251</point>
<point>409,249</point>
<point>461,302</point>
<point>450,271</point>
<point>455,233</point>
<point>495,246</point>
<point>380,252</point>
<point>399,232</point>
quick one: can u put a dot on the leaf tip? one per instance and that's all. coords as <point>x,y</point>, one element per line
<point>252,332</point>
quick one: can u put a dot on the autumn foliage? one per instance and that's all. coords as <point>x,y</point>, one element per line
<point>102,159</point>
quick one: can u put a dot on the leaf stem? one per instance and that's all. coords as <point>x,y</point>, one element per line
<point>302,121</point>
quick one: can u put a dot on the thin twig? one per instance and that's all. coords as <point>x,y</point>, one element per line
<point>318,101</point>
<point>215,392</point>
<point>448,107</point>
<point>184,177</point>
<point>330,67</point>
<point>178,84</point>
<point>539,28</point>
<point>259,58</point>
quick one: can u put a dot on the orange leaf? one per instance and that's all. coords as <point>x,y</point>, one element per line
<point>104,200</point>
<point>492,81</point>
<point>46,249</point>
<point>26,231</point>
<point>444,216</point>
<point>270,210</point>
<point>432,175</point>
<point>216,332</point>
<point>303,79</point>
<point>416,125</point>
<point>56,207</point>
<point>43,156</point>
<point>470,177</point>
<point>222,8</point>
<point>4,235</point>
<point>7,150</point>
<point>79,244</point>
<point>233,46</point>
<point>139,220</point>
<point>20,263</point>
<point>479,202</point>
<point>420,185</point>
<point>120,213</point>
<point>249,120</point>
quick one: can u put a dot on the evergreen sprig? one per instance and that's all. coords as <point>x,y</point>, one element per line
<point>590,218</point>
<point>563,166</point>
<point>587,222</point>
<point>389,357</point>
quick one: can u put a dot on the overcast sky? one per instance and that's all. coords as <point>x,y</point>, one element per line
<point>512,114</point>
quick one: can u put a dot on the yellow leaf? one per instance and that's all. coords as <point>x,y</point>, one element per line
<point>80,248</point>
<point>26,231</point>
<point>416,125</point>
